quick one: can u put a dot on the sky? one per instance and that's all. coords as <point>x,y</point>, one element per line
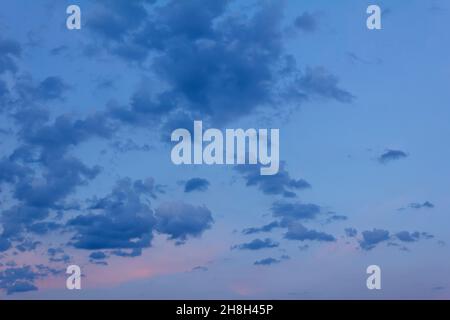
<point>86,176</point>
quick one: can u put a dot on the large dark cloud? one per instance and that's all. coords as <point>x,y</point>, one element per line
<point>278,184</point>
<point>214,65</point>
<point>122,219</point>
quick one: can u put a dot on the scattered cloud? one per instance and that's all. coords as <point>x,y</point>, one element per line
<point>392,155</point>
<point>196,184</point>
<point>257,244</point>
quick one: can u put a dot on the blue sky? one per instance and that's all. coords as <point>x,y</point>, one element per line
<point>86,176</point>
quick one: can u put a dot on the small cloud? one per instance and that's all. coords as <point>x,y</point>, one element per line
<point>351,232</point>
<point>391,155</point>
<point>266,262</point>
<point>372,238</point>
<point>426,204</point>
<point>266,228</point>
<point>257,244</point>
<point>196,184</point>
<point>306,22</point>
<point>296,231</point>
<point>304,247</point>
<point>199,268</point>
<point>98,255</point>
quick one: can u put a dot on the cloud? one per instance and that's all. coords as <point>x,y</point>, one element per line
<point>391,155</point>
<point>306,22</point>
<point>266,228</point>
<point>266,262</point>
<point>295,211</point>
<point>10,50</point>
<point>54,139</point>
<point>200,268</point>
<point>180,220</point>
<point>15,280</point>
<point>11,172</point>
<point>257,244</point>
<point>351,232</point>
<point>278,184</point>
<point>98,255</point>
<point>125,221</point>
<point>22,279</point>
<point>57,255</point>
<point>296,231</point>
<point>426,204</point>
<point>319,82</point>
<point>336,217</point>
<point>135,252</point>
<point>28,245</point>
<point>5,244</point>
<point>406,236</point>
<point>196,184</point>
<point>42,228</point>
<point>372,238</point>
<point>213,64</point>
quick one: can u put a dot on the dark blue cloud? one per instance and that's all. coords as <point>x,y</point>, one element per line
<point>295,211</point>
<point>10,50</point>
<point>28,245</point>
<point>42,228</point>
<point>51,88</point>
<point>426,204</point>
<point>98,255</point>
<point>372,238</point>
<point>266,262</point>
<point>135,252</point>
<point>406,236</point>
<point>296,231</point>
<point>351,232</point>
<point>336,217</point>
<point>196,184</point>
<point>118,18</point>
<point>57,255</point>
<point>306,22</point>
<point>257,244</point>
<point>11,172</point>
<point>5,244</point>
<point>124,219</point>
<point>20,279</point>
<point>266,228</point>
<point>215,65</point>
<point>278,184</point>
<point>391,155</point>
<point>55,138</point>
<point>180,220</point>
